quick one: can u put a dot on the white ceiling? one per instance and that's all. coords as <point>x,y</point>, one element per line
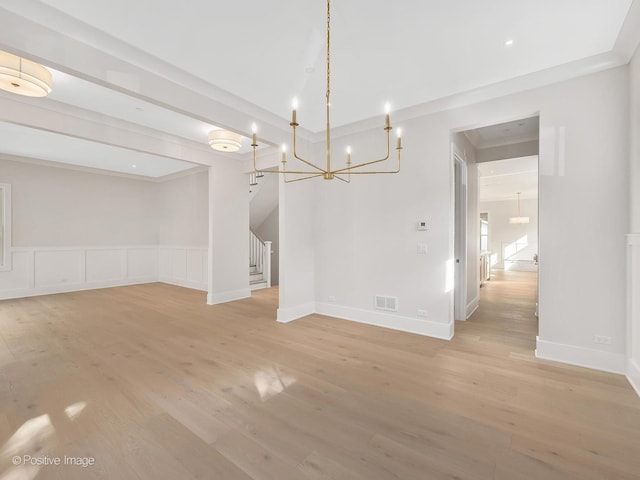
<point>503,179</point>
<point>508,133</point>
<point>37,144</point>
<point>180,69</point>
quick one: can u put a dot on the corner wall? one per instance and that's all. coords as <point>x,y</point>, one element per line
<point>183,230</point>
<point>74,230</point>
<point>366,235</point>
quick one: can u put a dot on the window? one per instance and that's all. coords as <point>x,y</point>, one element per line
<point>484,232</point>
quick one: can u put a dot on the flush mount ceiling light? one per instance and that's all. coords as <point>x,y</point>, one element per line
<point>311,170</point>
<point>519,219</point>
<point>225,141</point>
<point>24,77</point>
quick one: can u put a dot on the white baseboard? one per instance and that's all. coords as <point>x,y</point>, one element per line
<point>581,356</point>
<point>184,283</point>
<point>68,288</point>
<point>286,315</point>
<point>472,306</point>
<point>396,322</point>
<point>633,375</point>
<point>230,296</point>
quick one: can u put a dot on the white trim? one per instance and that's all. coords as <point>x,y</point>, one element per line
<point>5,223</point>
<point>460,271</point>
<point>101,171</point>
<point>633,238</point>
<point>22,280</point>
<point>395,322</point>
<point>633,375</point>
<point>581,356</point>
<point>184,283</point>
<point>68,288</point>
<point>230,296</point>
<point>472,306</point>
<point>286,315</point>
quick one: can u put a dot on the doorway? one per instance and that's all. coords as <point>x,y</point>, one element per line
<point>502,160</point>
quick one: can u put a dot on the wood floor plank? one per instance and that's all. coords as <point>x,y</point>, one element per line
<point>155,384</point>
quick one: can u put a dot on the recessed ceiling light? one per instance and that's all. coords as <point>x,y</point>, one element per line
<point>508,43</point>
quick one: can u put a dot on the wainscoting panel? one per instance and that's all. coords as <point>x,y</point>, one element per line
<point>184,266</point>
<point>58,267</point>
<point>46,270</point>
<point>106,265</point>
<point>142,264</point>
<point>20,277</point>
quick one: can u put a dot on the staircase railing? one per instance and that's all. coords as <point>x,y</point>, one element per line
<point>260,256</point>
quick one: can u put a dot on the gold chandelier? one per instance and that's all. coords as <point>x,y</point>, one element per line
<point>329,173</point>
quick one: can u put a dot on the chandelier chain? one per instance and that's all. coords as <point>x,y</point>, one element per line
<point>328,49</point>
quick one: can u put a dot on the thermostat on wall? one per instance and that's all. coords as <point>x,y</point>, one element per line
<point>422,225</point>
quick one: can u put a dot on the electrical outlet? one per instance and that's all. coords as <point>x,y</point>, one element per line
<point>422,313</point>
<point>602,339</point>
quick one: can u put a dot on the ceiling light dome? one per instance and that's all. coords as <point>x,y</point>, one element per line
<point>225,141</point>
<point>24,77</point>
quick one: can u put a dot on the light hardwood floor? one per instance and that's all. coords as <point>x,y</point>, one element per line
<point>153,384</point>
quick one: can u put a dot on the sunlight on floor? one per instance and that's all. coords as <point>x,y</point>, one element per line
<point>269,383</point>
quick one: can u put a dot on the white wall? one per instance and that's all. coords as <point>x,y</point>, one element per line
<point>583,211</point>
<point>184,210</point>
<point>366,233</point>
<point>183,230</point>
<point>61,207</point>
<point>75,230</point>
<point>633,240</point>
<point>297,254</point>
<point>365,237</point>
<point>502,233</point>
<point>228,267</point>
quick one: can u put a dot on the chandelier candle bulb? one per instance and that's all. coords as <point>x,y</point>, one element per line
<point>348,155</point>
<point>387,111</point>
<point>399,146</point>
<point>284,153</point>
<point>294,106</point>
<point>254,129</point>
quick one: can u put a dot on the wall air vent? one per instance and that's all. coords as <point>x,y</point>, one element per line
<point>383,302</point>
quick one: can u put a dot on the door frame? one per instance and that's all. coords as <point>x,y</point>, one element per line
<point>459,213</point>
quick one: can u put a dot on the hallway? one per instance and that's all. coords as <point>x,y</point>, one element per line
<point>506,314</point>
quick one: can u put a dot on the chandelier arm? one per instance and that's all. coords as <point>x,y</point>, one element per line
<point>298,179</point>
<point>295,153</point>
<point>294,172</point>
<point>380,172</point>
<point>364,164</point>
<point>342,179</point>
